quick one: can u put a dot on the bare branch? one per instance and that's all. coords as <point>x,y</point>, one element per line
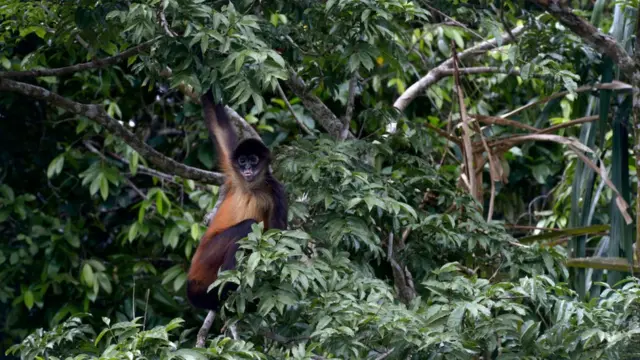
<point>92,148</point>
<point>636,134</point>
<point>466,131</point>
<point>97,114</point>
<point>452,20</point>
<point>445,134</point>
<point>493,120</point>
<point>479,70</point>
<point>435,74</point>
<point>601,42</point>
<point>577,121</point>
<point>293,113</point>
<point>346,120</point>
<point>320,112</point>
<point>163,22</point>
<point>94,64</point>
<point>402,278</point>
<point>201,338</point>
<point>614,85</point>
<point>493,174</point>
<point>385,354</point>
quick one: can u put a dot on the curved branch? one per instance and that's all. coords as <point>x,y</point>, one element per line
<point>293,113</point>
<point>599,41</point>
<point>319,111</point>
<point>444,68</point>
<point>97,114</point>
<point>94,64</point>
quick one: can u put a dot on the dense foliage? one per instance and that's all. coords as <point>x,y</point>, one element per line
<point>389,253</point>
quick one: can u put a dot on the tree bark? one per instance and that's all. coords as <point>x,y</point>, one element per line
<point>99,115</point>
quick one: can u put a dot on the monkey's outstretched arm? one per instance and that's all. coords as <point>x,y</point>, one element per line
<point>220,128</point>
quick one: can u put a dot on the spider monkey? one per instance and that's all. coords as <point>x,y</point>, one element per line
<point>253,195</point>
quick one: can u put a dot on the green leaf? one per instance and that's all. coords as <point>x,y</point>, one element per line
<point>179,281</point>
<point>104,188</point>
<point>252,263</point>
<point>133,162</point>
<point>456,317</point>
<point>204,43</point>
<point>6,63</point>
<point>28,299</point>
<point>87,275</point>
<point>56,165</point>
<point>195,231</point>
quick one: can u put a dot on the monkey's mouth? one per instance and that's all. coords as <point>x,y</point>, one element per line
<point>248,174</point>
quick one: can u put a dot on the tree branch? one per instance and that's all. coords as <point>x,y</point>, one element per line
<point>493,120</point>
<point>97,114</point>
<point>438,72</point>
<point>319,111</point>
<point>601,42</point>
<point>201,338</point>
<point>476,187</point>
<point>94,64</point>
<point>479,70</point>
<point>293,113</point>
<point>402,278</point>
<point>346,120</point>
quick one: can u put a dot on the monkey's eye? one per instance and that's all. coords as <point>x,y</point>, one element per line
<point>253,159</point>
<point>242,160</point>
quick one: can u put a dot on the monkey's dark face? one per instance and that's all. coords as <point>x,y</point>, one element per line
<point>248,166</point>
<point>251,159</point>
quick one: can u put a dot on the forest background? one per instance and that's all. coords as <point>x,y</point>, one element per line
<point>462,177</point>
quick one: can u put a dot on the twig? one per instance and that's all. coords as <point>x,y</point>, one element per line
<point>466,131</point>
<point>283,339</point>
<point>99,115</point>
<point>136,189</point>
<point>506,142</point>
<point>466,270</point>
<point>91,148</point>
<point>479,70</point>
<point>94,64</point>
<point>577,121</point>
<point>293,113</point>
<point>445,134</point>
<point>82,42</point>
<point>493,173</point>
<point>435,74</point>
<point>527,227</point>
<point>163,22</point>
<point>614,85</point>
<point>493,120</point>
<point>346,120</point>
<point>403,279</point>
<point>222,193</point>
<point>201,338</point>
<point>454,21</point>
<point>146,306</point>
<point>385,354</point>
